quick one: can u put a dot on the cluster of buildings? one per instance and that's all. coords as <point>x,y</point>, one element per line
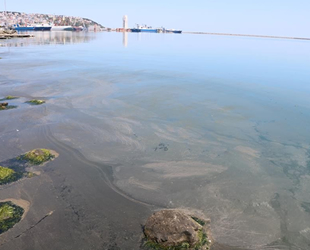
<point>10,18</point>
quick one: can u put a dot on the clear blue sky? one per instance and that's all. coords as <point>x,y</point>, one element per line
<point>267,17</point>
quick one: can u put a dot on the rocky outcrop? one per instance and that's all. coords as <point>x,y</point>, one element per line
<point>38,156</point>
<point>7,31</point>
<point>173,229</point>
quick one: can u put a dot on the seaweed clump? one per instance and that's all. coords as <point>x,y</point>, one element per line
<point>36,102</point>
<point>202,243</point>
<point>37,156</point>
<point>7,175</point>
<point>10,214</point>
<point>199,221</point>
<point>9,97</point>
<point>156,246</point>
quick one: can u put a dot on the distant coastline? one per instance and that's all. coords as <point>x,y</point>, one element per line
<point>9,18</point>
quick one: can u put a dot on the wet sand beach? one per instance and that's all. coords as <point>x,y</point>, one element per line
<point>84,210</point>
<point>220,128</point>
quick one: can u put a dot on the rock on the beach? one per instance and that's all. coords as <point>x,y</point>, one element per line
<point>7,31</point>
<point>172,228</point>
<point>3,104</point>
<point>38,156</point>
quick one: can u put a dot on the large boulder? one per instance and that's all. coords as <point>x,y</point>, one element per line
<point>173,229</point>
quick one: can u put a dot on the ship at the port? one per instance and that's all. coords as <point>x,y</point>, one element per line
<point>149,29</point>
<point>172,31</point>
<point>23,27</point>
<point>144,28</point>
<point>62,28</point>
<point>35,27</point>
<point>42,27</point>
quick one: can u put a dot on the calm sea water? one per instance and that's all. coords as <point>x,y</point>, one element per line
<point>218,124</point>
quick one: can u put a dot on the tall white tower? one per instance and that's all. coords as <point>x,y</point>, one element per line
<point>125,22</point>
<point>4,6</point>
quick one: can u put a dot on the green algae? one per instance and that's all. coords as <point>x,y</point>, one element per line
<point>199,221</point>
<point>6,212</point>
<point>7,175</point>
<point>10,214</point>
<point>9,97</point>
<point>37,156</point>
<point>203,240</point>
<point>36,102</point>
<point>202,244</point>
<point>13,173</point>
<point>156,246</point>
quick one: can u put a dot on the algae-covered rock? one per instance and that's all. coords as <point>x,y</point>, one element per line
<point>7,175</point>
<point>174,230</point>
<point>9,97</point>
<point>8,107</point>
<point>36,102</point>
<point>10,214</point>
<point>38,156</point>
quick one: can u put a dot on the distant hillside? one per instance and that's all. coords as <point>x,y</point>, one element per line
<point>12,17</point>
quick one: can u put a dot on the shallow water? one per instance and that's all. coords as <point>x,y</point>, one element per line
<point>210,123</point>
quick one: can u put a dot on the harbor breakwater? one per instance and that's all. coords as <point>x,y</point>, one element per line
<point>247,35</point>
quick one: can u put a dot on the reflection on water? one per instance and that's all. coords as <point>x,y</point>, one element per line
<point>50,38</point>
<point>125,39</point>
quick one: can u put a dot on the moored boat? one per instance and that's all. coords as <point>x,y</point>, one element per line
<point>62,28</point>
<point>135,30</point>
<point>173,31</point>
<point>152,30</point>
<point>144,29</point>
<point>78,28</point>
<point>42,27</point>
<point>23,28</point>
<point>148,29</point>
